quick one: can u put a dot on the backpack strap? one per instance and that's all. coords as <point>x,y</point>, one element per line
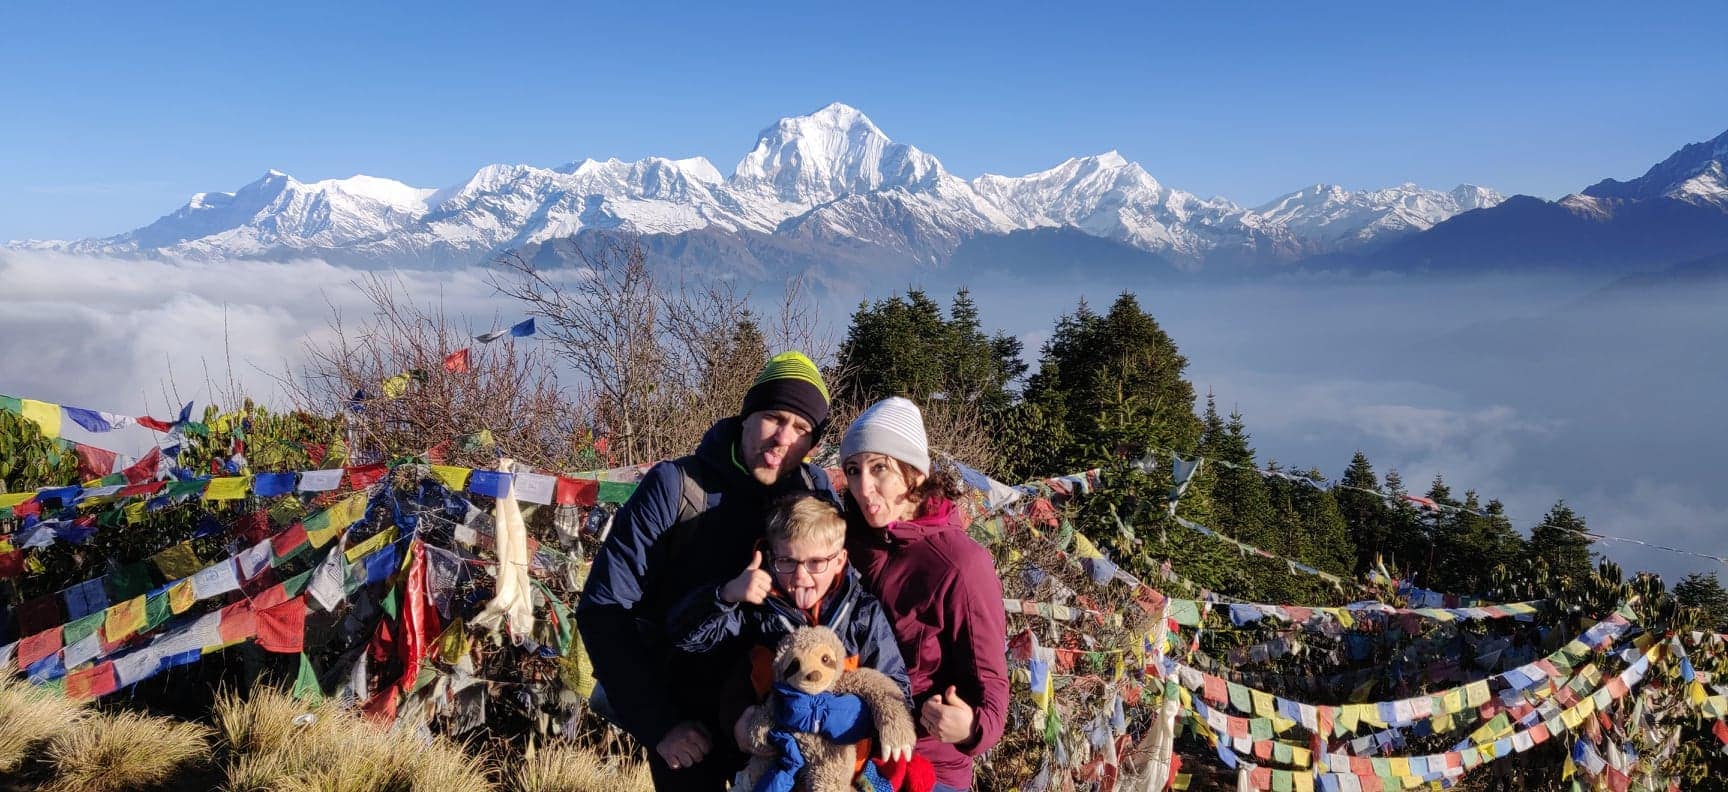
<point>693,499</point>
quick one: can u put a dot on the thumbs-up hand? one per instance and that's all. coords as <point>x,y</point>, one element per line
<point>946,717</point>
<point>752,585</point>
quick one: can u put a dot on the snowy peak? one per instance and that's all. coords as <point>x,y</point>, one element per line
<point>833,152</point>
<point>1335,217</point>
<point>1694,174</point>
<point>830,177</point>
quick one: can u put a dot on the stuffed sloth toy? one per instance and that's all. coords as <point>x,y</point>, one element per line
<point>817,714</point>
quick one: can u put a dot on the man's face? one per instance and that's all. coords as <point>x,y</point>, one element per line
<point>773,444</point>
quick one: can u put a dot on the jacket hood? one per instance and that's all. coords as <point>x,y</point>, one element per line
<point>939,514</point>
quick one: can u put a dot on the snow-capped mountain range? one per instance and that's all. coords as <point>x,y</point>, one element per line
<point>828,178</point>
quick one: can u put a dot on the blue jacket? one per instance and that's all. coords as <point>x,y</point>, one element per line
<point>702,623</point>
<point>651,558</point>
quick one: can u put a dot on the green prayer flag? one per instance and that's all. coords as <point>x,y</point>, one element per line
<point>79,629</point>
<point>306,686</point>
<point>156,611</point>
<point>1282,782</point>
<point>615,491</point>
<point>186,487</point>
<point>390,604</point>
<point>560,630</point>
<point>1260,728</point>
<point>294,585</point>
<point>11,405</point>
<point>1186,612</point>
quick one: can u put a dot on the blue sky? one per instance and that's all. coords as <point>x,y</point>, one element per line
<point>112,115</point>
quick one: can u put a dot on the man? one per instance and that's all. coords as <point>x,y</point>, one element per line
<point>695,521</point>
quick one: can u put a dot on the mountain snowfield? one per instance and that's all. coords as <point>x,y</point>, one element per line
<point>830,178</point>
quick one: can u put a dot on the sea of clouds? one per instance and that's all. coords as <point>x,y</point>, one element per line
<point>1525,389</point>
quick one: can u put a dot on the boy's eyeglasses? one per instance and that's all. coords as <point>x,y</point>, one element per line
<point>789,566</point>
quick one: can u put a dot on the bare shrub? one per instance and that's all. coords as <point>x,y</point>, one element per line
<point>509,390</point>
<point>659,364</point>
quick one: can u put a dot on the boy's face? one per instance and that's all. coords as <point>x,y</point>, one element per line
<point>804,569</point>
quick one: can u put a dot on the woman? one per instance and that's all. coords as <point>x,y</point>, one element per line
<point>907,537</point>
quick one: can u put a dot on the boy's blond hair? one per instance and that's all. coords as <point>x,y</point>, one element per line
<point>805,516</point>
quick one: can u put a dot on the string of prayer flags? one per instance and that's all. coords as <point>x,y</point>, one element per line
<point>518,330</point>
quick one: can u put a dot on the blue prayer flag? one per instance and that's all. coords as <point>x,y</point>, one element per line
<point>523,328</point>
<point>266,485</point>
<point>490,483</point>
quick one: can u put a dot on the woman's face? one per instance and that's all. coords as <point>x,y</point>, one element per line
<point>880,492</point>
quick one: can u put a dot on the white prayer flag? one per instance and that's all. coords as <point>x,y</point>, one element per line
<point>218,578</point>
<point>535,487</point>
<point>320,480</point>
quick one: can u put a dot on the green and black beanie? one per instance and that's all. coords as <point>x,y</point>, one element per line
<point>790,382</point>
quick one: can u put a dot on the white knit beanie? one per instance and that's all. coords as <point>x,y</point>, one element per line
<point>892,427</point>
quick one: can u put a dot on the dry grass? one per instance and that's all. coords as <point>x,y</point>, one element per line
<point>277,744</point>
<point>123,751</point>
<point>568,768</point>
<point>30,716</point>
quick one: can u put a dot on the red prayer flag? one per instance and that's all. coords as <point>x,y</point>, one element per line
<point>12,564</point>
<point>152,423</point>
<point>576,492</point>
<point>282,628</point>
<point>144,469</point>
<point>28,508</point>
<point>136,490</point>
<point>93,462</point>
<point>457,362</point>
<point>238,622</point>
<point>38,646</point>
<point>1721,730</point>
<point>364,476</point>
<point>286,543</point>
<point>270,597</point>
<point>91,682</point>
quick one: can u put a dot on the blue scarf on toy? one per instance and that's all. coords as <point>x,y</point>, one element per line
<point>840,718</point>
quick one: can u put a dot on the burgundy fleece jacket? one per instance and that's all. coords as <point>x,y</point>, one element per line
<point>942,595</point>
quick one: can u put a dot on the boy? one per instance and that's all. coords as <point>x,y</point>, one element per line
<point>811,584</point>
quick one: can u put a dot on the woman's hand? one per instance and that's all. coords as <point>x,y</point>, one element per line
<point>946,717</point>
<point>685,745</point>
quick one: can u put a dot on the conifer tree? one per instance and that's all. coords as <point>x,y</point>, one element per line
<point>1704,592</point>
<point>1367,519</point>
<point>1560,542</point>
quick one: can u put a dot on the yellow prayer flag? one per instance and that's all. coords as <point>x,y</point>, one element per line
<point>1715,706</point>
<point>46,416</point>
<point>1300,756</point>
<point>1696,694</point>
<point>1453,701</point>
<point>395,386</point>
<point>1304,780</point>
<point>1476,693</point>
<point>178,561</point>
<point>1443,722</point>
<point>228,488</point>
<point>453,477</point>
<point>1571,717</point>
<point>1400,766</point>
<point>123,619</point>
<point>10,499</point>
<point>377,540</point>
<point>1587,707</point>
<point>180,597</point>
<point>135,512</point>
<point>1083,547</point>
<point>1281,725</point>
<point>345,513</point>
<point>1349,716</point>
<point>1343,616</point>
<point>1371,716</point>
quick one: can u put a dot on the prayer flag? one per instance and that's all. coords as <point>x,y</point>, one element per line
<point>457,362</point>
<point>218,578</point>
<point>267,485</point>
<point>124,620</point>
<point>95,421</point>
<point>523,328</point>
<point>363,476</point>
<point>320,480</point>
<point>177,562</point>
<point>489,483</point>
<point>31,649</point>
<point>576,492</point>
<point>535,487</point>
<point>46,416</point>
<point>282,628</point>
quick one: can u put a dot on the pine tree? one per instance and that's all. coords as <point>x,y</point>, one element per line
<point>1241,503</point>
<point>1114,383</point>
<point>1560,542</point>
<point>1367,519</point>
<point>1704,592</point>
<point>1408,543</point>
